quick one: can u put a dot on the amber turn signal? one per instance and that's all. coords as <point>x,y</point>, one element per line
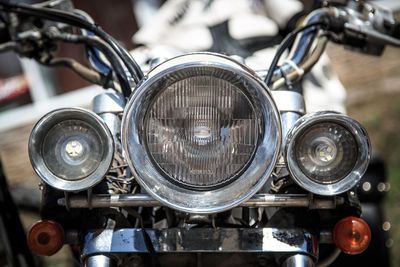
<point>45,238</point>
<point>352,235</point>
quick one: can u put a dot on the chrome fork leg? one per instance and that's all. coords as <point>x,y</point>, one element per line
<point>99,261</point>
<point>298,260</point>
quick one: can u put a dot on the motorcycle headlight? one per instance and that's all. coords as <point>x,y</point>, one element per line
<point>202,133</point>
<point>327,153</point>
<point>71,149</point>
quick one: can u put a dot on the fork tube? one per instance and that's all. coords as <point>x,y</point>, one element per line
<point>298,260</point>
<point>99,261</point>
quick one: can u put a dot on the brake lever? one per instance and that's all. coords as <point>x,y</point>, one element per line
<point>372,36</point>
<point>365,28</point>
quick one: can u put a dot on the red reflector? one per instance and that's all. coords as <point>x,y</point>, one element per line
<point>45,238</point>
<point>352,235</point>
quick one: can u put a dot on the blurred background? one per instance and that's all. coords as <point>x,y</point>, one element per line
<point>28,91</point>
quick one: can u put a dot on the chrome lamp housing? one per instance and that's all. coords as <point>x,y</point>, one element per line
<point>71,149</point>
<point>327,153</point>
<point>201,133</point>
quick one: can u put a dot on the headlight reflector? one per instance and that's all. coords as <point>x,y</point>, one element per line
<point>71,150</point>
<point>327,153</point>
<point>326,150</point>
<point>201,131</point>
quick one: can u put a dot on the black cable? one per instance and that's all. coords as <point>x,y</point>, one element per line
<point>84,72</point>
<point>74,20</point>
<point>103,47</point>
<point>284,45</point>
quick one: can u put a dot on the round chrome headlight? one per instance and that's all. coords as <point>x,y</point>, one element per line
<point>202,133</point>
<point>327,153</point>
<point>71,149</point>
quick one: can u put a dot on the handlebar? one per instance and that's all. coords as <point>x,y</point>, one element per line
<point>358,25</point>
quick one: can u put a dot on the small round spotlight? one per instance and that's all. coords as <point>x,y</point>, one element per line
<point>327,153</point>
<point>71,149</point>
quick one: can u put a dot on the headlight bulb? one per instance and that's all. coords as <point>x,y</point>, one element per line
<point>74,149</point>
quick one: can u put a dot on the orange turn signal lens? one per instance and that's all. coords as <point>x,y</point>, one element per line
<point>45,238</point>
<point>352,235</point>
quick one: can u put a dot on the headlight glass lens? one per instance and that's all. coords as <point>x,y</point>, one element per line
<point>201,131</point>
<point>72,150</point>
<point>326,152</point>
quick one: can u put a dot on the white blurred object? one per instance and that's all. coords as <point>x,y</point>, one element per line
<point>392,5</point>
<point>242,26</point>
<point>145,10</point>
<point>327,92</point>
<point>282,11</point>
<point>185,24</point>
<point>261,59</point>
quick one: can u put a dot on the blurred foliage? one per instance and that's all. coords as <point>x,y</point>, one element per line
<point>373,88</point>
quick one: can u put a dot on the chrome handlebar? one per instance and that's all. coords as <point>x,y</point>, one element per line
<point>359,25</point>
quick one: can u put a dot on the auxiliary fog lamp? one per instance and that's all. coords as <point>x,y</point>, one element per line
<point>327,153</point>
<point>71,149</point>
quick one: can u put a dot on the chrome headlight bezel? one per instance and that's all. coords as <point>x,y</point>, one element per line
<point>202,201</point>
<point>39,133</point>
<point>353,177</point>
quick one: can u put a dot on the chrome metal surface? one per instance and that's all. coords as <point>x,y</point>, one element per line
<point>99,261</point>
<point>105,201</point>
<point>108,102</point>
<point>177,197</point>
<point>289,101</point>
<point>291,107</point>
<point>292,200</point>
<point>39,133</point>
<point>266,240</point>
<point>345,184</point>
<point>257,200</point>
<point>109,106</point>
<point>113,122</point>
<point>289,119</point>
<point>302,47</point>
<point>299,260</point>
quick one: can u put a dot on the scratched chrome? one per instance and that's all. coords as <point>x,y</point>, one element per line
<point>263,240</point>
